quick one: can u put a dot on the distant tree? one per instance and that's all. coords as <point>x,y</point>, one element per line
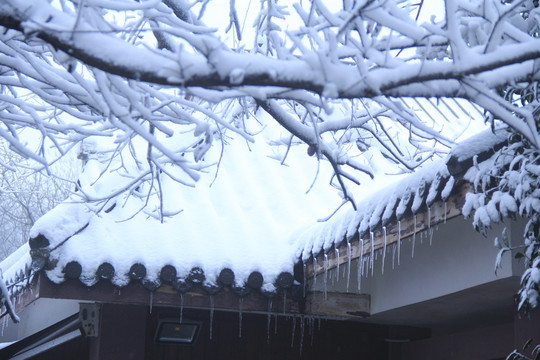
<point>25,195</point>
<point>152,72</point>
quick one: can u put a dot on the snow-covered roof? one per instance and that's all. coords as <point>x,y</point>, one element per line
<point>410,195</point>
<point>234,225</point>
<point>246,232</point>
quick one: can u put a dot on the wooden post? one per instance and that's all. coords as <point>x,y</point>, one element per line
<point>338,305</point>
<point>122,333</point>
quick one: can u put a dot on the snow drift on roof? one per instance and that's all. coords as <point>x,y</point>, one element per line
<point>431,183</point>
<point>244,220</point>
<point>240,221</point>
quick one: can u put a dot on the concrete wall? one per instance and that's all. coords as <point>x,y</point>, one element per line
<point>37,316</point>
<point>493,342</point>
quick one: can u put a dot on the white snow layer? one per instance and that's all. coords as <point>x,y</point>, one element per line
<point>242,221</point>
<point>393,200</point>
<point>249,219</point>
<point>380,206</point>
<point>478,143</point>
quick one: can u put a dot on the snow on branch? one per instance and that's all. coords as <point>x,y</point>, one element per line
<point>152,73</point>
<point>215,65</point>
<point>506,185</point>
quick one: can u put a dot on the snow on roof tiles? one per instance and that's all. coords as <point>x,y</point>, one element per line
<point>240,224</point>
<point>410,195</point>
<point>241,227</point>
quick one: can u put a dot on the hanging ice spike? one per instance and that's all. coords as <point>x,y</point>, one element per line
<point>314,269</point>
<point>304,284</point>
<point>399,242</point>
<point>414,237</point>
<point>325,275</point>
<point>336,250</point>
<point>211,314</point>
<point>240,304</point>
<point>384,248</point>
<point>360,270</point>
<point>301,333</point>
<point>181,306</point>
<point>293,330</point>
<point>268,319</point>
<point>393,256</point>
<point>371,261</point>
<point>348,264</point>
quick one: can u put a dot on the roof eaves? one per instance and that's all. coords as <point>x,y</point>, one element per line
<point>43,261</point>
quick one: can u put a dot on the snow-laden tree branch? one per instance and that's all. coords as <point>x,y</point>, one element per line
<point>318,70</point>
<point>145,88</point>
<point>153,72</point>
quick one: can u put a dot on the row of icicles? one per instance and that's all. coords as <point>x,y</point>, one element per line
<point>366,261</point>
<point>304,320</point>
<point>365,267</point>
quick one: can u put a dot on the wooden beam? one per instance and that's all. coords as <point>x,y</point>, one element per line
<point>167,296</point>
<point>438,213</point>
<point>338,305</point>
<point>122,333</point>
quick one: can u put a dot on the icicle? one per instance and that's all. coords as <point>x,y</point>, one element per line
<point>275,323</point>
<point>301,334</point>
<point>372,251</point>
<point>445,209</point>
<point>360,264</point>
<point>293,330</point>
<point>325,275</point>
<point>429,217</point>
<point>268,319</point>
<point>393,255</point>
<point>348,264</point>
<point>414,237</point>
<point>181,306</point>
<point>304,284</point>
<point>314,270</point>
<point>211,314</point>
<point>399,241</point>
<point>3,325</point>
<point>240,304</point>
<point>311,329</point>
<point>337,267</point>
<point>151,300</point>
<point>384,248</point>
<point>430,237</point>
